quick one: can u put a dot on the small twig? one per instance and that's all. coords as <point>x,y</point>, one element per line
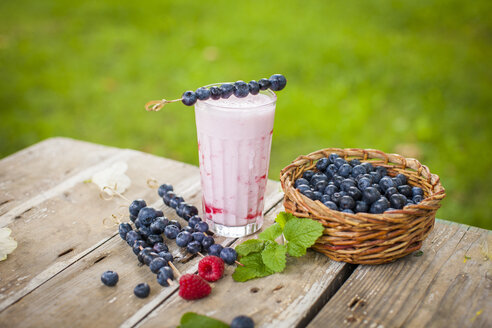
<point>156,105</point>
<point>174,269</point>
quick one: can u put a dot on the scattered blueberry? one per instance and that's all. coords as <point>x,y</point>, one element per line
<point>188,98</point>
<point>142,290</point>
<point>242,321</point>
<point>109,278</point>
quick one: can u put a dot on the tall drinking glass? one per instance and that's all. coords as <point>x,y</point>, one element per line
<point>234,141</point>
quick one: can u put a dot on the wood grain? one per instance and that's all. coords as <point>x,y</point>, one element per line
<point>41,167</point>
<point>288,299</point>
<point>441,288</point>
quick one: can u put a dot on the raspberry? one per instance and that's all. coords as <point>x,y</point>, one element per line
<point>211,268</point>
<point>193,287</point>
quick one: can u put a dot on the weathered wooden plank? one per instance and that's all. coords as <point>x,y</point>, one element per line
<point>288,299</point>
<point>76,297</point>
<point>31,172</point>
<point>60,230</point>
<point>441,288</point>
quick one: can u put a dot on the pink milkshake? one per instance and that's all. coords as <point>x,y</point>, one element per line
<point>234,141</point>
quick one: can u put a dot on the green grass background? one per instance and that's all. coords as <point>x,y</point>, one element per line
<point>412,77</point>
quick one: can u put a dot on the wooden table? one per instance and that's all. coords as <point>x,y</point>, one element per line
<point>53,278</point>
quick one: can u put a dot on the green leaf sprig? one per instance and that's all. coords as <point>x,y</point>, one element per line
<point>264,256</point>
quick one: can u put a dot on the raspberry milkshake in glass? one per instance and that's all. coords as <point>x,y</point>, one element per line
<point>234,141</point>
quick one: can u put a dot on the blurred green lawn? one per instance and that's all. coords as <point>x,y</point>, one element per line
<point>412,77</point>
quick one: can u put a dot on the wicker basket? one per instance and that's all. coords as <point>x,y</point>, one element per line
<point>365,238</point>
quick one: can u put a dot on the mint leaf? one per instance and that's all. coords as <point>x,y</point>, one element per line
<point>253,268</point>
<point>282,218</point>
<point>194,320</point>
<point>301,234</point>
<point>271,233</point>
<point>250,246</point>
<point>274,256</point>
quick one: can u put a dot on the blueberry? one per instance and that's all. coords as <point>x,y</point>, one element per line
<point>188,229</point>
<point>189,211</point>
<point>242,321</point>
<point>321,185</point>
<point>229,255</point>
<point>198,236</point>
<point>332,157</point>
<point>174,202</point>
<point>322,164</point>
<point>241,89</point>
<point>167,197</point>
<point>325,198</point>
<point>370,195</point>
<point>123,229</point>
<point>390,191</point>
<point>331,205</point>
<point>136,206</point>
<point>254,87</point>
<point>156,264</point>
<point>368,166</point>
<point>358,170</point>
<point>278,82</point>
<point>345,170</point>
<point>330,190</point>
<point>354,162</point>
<point>364,183</point>
<point>376,176</point>
<point>381,170</point>
<point>183,238</point>
<point>318,177</point>
<point>410,202</point>
<point>160,247</point>
<point>180,209</point>
<point>396,182</point>
<point>337,181</point>
<point>343,193</point>
<point>132,237</point>
<point>201,226</point>
<point>377,187</point>
<point>158,213</point>
<point>152,239</point>
<point>227,90</point>
<point>207,242</point>
<point>147,215</point>
<point>335,198</point>
<point>301,181</point>
<point>142,290</point>
<point>398,201</point>
<point>303,188</point>
<point>171,231</point>
<point>346,202</point>
<point>188,98</point>
<point>138,246</point>
<point>194,247</point>
<point>331,170</point>
<point>163,188</point>
<point>308,175</point>
<point>317,195</point>
<point>144,252</point>
<point>147,258</point>
<point>202,94</point>
<point>339,162</point>
<point>215,250</point>
<point>160,223</point>
<point>417,191</point>
<point>194,220</point>
<point>379,206</point>
<point>176,223</point>
<point>361,206</point>
<point>416,199</point>
<point>215,93</point>
<point>401,178</point>
<point>405,190</point>
<point>355,193</point>
<point>109,278</point>
<point>346,184</point>
<point>308,193</point>
<point>163,275</point>
<point>168,257</point>
<point>386,183</point>
<point>347,210</point>
<point>133,218</point>
<point>264,84</point>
